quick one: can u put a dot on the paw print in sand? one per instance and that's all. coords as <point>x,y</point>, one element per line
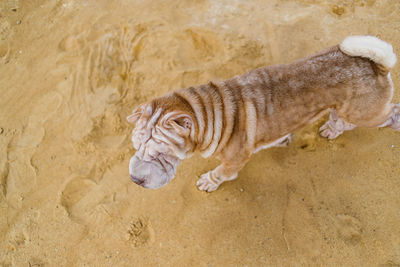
<point>140,232</point>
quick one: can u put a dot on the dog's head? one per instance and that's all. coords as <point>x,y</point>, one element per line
<point>162,138</point>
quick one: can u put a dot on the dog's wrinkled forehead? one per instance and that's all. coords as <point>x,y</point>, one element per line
<point>143,116</point>
<point>145,120</point>
<point>161,131</point>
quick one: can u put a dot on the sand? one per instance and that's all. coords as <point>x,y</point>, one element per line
<point>71,71</point>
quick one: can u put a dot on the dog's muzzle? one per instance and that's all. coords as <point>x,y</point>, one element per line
<point>151,174</point>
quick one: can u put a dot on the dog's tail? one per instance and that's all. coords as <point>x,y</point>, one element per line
<point>370,47</point>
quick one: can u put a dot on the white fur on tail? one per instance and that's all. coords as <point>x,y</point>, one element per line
<point>370,47</point>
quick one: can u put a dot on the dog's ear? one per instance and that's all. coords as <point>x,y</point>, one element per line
<point>143,109</point>
<point>182,123</point>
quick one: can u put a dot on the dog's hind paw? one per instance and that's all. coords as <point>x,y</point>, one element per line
<point>395,118</point>
<point>335,126</point>
<point>329,132</point>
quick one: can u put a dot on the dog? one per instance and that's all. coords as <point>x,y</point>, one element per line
<point>235,118</point>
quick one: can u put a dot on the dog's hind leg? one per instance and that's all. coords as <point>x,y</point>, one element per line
<point>284,141</point>
<point>335,126</point>
<point>393,121</point>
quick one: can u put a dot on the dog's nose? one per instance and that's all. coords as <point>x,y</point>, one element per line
<point>136,180</point>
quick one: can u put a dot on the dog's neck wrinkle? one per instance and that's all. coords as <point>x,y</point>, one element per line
<point>206,105</point>
<point>230,110</point>
<point>191,98</point>
<point>229,99</point>
<point>224,117</point>
<point>215,118</point>
<point>214,123</point>
<point>195,102</point>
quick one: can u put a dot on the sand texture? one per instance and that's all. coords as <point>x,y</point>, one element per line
<point>71,71</point>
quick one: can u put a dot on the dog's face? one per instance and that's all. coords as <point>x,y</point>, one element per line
<point>162,140</point>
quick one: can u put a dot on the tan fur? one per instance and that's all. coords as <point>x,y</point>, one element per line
<point>232,119</point>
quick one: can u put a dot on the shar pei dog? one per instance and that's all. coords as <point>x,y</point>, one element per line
<point>235,118</point>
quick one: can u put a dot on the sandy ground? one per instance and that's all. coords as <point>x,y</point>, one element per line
<point>71,71</point>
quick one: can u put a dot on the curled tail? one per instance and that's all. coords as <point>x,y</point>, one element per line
<point>370,47</point>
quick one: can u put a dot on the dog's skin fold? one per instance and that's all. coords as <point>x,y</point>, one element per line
<point>235,118</point>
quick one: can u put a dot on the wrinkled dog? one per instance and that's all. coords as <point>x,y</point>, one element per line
<point>235,118</point>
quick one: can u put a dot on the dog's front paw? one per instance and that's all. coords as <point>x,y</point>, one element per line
<point>207,183</point>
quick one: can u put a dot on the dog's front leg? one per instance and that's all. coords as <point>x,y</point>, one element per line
<point>227,171</point>
<point>211,180</point>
